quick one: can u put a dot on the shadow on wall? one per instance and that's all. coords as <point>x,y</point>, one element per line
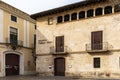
<point>43,44</point>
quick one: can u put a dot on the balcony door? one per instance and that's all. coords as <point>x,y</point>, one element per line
<point>13,35</point>
<point>60,44</point>
<point>97,40</point>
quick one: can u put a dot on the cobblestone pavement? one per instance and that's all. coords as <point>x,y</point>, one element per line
<point>48,78</point>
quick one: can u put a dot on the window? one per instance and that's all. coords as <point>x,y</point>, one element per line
<point>59,19</point>
<point>97,62</point>
<point>13,18</point>
<point>98,12</point>
<point>97,40</point>
<point>90,13</point>
<point>59,44</point>
<point>74,16</point>
<point>34,41</point>
<point>117,8</point>
<point>82,14</point>
<point>66,18</point>
<point>35,27</point>
<point>13,36</point>
<point>108,10</point>
<point>50,21</point>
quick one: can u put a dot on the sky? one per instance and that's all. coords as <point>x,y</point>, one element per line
<point>35,6</point>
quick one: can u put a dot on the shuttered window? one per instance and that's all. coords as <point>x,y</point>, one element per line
<point>96,40</point>
<point>60,44</point>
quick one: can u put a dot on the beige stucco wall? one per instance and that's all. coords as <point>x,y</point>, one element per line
<point>26,31</point>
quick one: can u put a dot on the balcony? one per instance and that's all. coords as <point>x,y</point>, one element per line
<point>61,50</point>
<point>98,47</point>
<point>14,43</point>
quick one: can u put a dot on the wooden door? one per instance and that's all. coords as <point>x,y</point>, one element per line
<point>12,64</point>
<point>59,67</point>
<point>96,40</point>
<point>60,44</point>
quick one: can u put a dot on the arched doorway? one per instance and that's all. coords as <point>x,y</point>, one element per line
<point>12,66</point>
<point>59,66</point>
<point>21,61</point>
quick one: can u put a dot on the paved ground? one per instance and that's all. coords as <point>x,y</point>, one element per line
<point>47,78</point>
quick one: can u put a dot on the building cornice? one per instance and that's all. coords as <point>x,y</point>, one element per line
<point>67,7</point>
<point>14,11</point>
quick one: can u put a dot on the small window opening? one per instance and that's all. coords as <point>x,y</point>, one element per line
<point>90,13</point>
<point>98,12</point>
<point>66,18</point>
<point>108,10</point>
<point>97,62</point>
<point>74,16</point>
<point>82,14</point>
<point>59,19</point>
<point>117,8</point>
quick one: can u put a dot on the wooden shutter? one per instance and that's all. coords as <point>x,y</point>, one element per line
<point>96,40</point>
<point>60,44</point>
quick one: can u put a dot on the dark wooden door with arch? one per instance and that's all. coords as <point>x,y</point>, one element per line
<point>59,66</point>
<point>12,64</point>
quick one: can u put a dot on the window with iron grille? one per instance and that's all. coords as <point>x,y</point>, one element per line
<point>13,18</point>
<point>97,62</point>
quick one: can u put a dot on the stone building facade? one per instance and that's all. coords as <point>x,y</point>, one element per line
<point>16,41</point>
<point>80,40</point>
